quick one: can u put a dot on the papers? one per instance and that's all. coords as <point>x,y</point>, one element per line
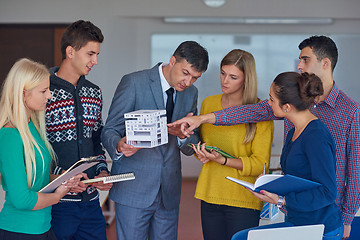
<point>75,169</point>
<point>279,184</point>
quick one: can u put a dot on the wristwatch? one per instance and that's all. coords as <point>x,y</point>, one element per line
<point>280,202</point>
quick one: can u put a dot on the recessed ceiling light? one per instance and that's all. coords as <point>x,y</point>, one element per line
<point>214,3</point>
<point>222,20</point>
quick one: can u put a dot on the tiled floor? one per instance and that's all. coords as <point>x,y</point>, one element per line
<point>189,216</point>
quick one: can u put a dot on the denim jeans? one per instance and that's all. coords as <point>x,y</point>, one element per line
<point>334,235</point>
<point>78,220</point>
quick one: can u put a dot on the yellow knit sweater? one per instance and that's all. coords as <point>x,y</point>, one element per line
<point>212,187</point>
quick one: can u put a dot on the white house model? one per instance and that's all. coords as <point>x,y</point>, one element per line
<point>146,128</point>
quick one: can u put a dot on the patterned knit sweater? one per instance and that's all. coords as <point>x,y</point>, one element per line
<point>74,124</point>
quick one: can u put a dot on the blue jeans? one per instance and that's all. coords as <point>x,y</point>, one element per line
<point>78,220</point>
<point>333,235</point>
<point>355,229</point>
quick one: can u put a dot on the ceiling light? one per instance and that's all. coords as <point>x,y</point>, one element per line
<point>248,20</point>
<point>214,3</point>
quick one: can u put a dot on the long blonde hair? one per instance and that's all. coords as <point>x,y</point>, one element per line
<point>245,62</point>
<point>25,74</point>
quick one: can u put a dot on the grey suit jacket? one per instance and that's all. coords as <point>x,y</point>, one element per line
<point>155,167</point>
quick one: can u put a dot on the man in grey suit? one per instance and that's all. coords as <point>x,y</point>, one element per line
<point>148,207</point>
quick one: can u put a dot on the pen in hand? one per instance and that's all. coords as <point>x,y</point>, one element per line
<point>264,172</point>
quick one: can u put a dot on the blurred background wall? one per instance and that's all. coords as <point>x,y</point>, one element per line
<point>137,36</point>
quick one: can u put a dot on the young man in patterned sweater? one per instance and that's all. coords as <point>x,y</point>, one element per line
<point>74,124</point>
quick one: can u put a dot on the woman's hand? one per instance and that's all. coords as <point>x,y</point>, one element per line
<point>75,185</point>
<point>205,156</point>
<point>266,196</point>
<point>61,191</point>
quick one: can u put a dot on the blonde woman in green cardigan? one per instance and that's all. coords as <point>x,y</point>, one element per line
<point>226,207</point>
<point>25,155</point>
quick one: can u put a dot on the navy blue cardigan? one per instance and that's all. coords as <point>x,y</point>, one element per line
<point>312,156</point>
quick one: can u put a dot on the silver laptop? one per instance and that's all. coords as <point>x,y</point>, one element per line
<point>310,232</point>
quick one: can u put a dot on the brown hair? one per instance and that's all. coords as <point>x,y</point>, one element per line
<point>78,34</point>
<point>299,90</point>
<point>245,62</point>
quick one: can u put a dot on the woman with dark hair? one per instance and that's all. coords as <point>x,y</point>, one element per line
<point>226,208</point>
<point>308,152</point>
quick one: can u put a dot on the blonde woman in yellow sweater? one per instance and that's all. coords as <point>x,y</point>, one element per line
<point>226,207</point>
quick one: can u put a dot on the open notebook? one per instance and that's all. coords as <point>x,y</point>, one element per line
<point>277,183</point>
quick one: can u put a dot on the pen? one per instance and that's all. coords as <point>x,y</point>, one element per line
<point>264,172</point>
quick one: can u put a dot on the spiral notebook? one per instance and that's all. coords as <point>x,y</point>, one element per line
<point>112,178</point>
